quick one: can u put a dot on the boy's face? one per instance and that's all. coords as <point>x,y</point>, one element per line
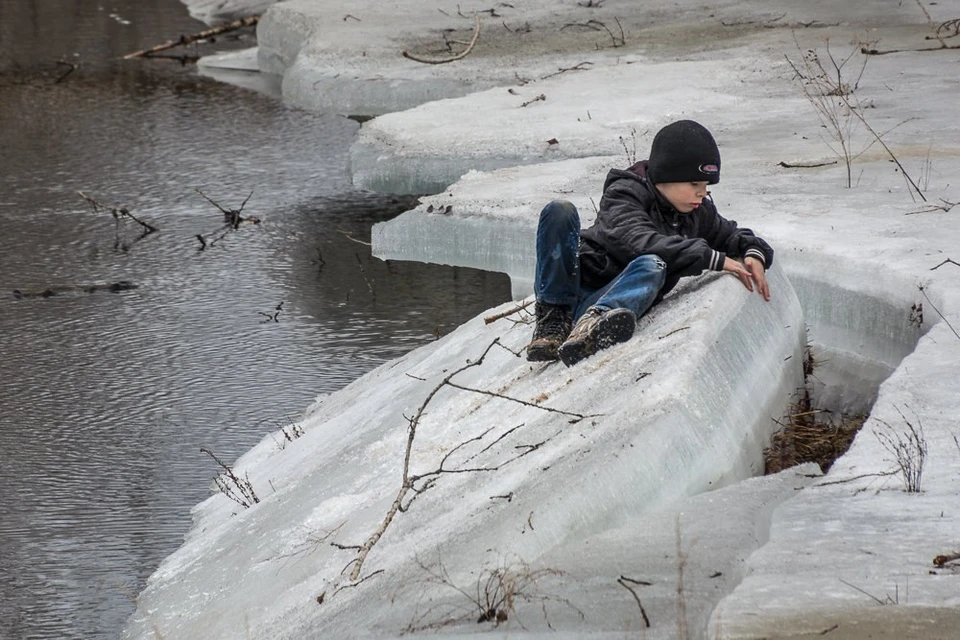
<point>684,196</point>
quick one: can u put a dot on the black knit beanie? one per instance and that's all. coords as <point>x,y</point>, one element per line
<point>684,151</point>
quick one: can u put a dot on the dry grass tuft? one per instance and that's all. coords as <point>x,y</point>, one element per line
<point>492,599</point>
<point>805,437</point>
<point>807,434</point>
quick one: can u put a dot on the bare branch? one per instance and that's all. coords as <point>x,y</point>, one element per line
<point>118,212</point>
<point>537,99</point>
<point>202,35</point>
<point>623,582</point>
<point>578,416</point>
<point>580,66</point>
<point>672,332</point>
<point>459,56</point>
<point>869,595</point>
<point>226,212</point>
<point>350,237</point>
<point>930,208</point>
<point>363,273</point>
<point>923,291</point>
<point>508,312</point>
<point>247,497</point>
<point>880,474</point>
<point>70,68</point>
<point>811,165</point>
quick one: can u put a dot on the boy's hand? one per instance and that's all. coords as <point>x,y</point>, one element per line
<point>732,266</point>
<point>758,273</point>
<point>752,271</point>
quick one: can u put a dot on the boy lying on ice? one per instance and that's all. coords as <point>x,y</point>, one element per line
<point>655,225</point>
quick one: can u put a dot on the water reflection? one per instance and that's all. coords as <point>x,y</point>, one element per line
<point>106,398</point>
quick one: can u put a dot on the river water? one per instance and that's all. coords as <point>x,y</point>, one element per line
<point>106,398</point>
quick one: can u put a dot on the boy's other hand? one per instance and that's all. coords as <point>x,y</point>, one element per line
<point>759,275</point>
<point>752,272</point>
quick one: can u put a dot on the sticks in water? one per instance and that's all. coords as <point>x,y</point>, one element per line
<point>202,35</point>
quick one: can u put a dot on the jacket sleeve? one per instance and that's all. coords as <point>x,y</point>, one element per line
<point>725,236</point>
<point>628,231</point>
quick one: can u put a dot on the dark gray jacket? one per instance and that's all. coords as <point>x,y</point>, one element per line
<point>635,220</point>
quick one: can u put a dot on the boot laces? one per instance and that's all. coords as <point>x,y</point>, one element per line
<point>553,321</point>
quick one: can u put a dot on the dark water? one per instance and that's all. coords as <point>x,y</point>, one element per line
<point>106,398</point>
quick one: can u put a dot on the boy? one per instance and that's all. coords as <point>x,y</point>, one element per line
<point>655,225</point>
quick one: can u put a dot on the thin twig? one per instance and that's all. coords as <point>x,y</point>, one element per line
<point>225,212</point>
<point>923,291</point>
<point>459,56</point>
<point>811,165</point>
<point>63,75</point>
<point>508,312</point>
<point>202,35</point>
<point>350,237</point>
<point>672,332</point>
<point>883,144</point>
<point>870,595</point>
<point>947,261</point>
<point>184,60</point>
<point>880,474</point>
<point>364,274</point>
<point>623,582</point>
<point>537,99</point>
<point>580,66</point>
<point>578,416</point>
<point>118,212</point>
<point>930,208</point>
<point>878,52</point>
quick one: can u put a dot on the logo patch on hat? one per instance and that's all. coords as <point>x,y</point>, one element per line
<point>709,168</point>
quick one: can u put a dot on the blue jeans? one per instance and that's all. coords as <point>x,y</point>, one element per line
<point>557,280</point>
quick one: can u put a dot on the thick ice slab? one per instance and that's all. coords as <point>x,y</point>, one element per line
<point>855,542</point>
<point>396,153</point>
<point>489,221</point>
<point>349,60</point>
<point>659,428</point>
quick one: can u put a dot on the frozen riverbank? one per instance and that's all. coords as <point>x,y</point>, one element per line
<point>583,513</point>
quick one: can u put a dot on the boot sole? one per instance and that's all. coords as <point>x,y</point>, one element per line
<point>542,354</point>
<point>615,327</point>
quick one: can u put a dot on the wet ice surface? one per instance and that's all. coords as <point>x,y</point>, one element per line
<point>856,260</point>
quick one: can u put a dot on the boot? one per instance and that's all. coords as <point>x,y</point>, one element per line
<point>553,327</point>
<point>595,330</point>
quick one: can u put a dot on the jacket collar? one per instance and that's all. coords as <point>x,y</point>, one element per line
<point>640,169</point>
